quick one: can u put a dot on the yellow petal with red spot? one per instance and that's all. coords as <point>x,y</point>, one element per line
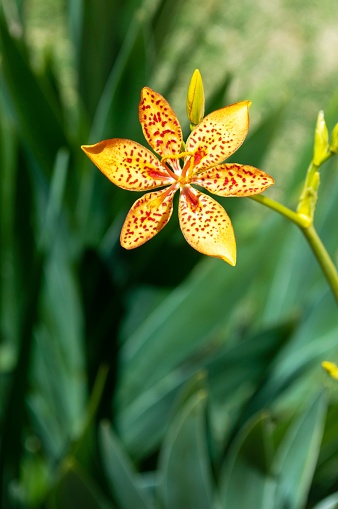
<point>160,125</point>
<point>206,226</point>
<point>147,217</point>
<point>219,135</point>
<point>128,165</point>
<point>233,180</point>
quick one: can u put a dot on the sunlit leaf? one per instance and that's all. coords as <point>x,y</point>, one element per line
<point>330,502</point>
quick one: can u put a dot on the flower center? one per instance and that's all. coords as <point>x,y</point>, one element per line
<point>186,172</point>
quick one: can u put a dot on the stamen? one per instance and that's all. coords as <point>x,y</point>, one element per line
<point>169,189</point>
<point>180,156</point>
<point>171,173</point>
<point>177,156</point>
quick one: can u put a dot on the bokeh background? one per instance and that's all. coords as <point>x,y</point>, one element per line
<point>159,378</point>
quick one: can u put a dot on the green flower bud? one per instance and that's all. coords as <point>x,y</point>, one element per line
<point>195,99</point>
<point>307,204</point>
<point>331,368</point>
<point>334,140</point>
<point>321,145</point>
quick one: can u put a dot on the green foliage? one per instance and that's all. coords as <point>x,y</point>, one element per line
<point>154,378</point>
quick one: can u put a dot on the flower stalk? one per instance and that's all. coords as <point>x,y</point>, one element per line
<point>311,235</point>
<point>304,216</point>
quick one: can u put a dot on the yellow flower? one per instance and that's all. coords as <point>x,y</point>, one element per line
<point>204,223</point>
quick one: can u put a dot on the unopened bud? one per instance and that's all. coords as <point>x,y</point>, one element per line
<point>334,140</point>
<point>321,145</point>
<point>331,368</point>
<point>307,204</point>
<point>195,99</point>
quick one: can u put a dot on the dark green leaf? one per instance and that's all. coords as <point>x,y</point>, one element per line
<point>120,472</point>
<point>77,489</point>
<point>184,460</point>
<point>36,112</point>
<point>246,480</point>
<point>297,456</point>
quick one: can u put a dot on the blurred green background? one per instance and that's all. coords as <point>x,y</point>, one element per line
<point>159,378</point>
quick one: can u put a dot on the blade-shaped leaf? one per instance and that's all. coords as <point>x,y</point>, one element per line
<point>297,456</point>
<point>330,502</point>
<point>45,134</point>
<point>77,489</point>
<point>246,479</point>
<point>184,461</point>
<point>119,472</point>
<point>97,29</point>
<point>9,279</point>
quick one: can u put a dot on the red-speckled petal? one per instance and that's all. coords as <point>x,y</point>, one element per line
<point>147,217</point>
<point>160,125</point>
<point>233,180</point>
<point>219,135</point>
<point>206,226</point>
<point>128,165</point>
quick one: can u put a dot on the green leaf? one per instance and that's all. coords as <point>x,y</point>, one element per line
<point>246,480</point>
<point>55,199</point>
<point>15,408</point>
<point>297,456</point>
<point>59,358</point>
<point>117,110</point>
<point>163,20</point>
<point>204,297</point>
<point>9,273</point>
<point>330,502</point>
<point>120,472</point>
<point>26,268</point>
<point>184,462</point>
<point>143,422</point>
<point>36,112</point>
<point>97,30</point>
<point>77,489</point>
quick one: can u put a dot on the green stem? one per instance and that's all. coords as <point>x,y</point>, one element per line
<point>94,401</point>
<point>300,221</point>
<point>311,236</point>
<point>323,258</point>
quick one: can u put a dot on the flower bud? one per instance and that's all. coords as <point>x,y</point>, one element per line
<point>195,99</point>
<point>321,146</point>
<point>331,368</point>
<point>334,140</point>
<point>307,204</point>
